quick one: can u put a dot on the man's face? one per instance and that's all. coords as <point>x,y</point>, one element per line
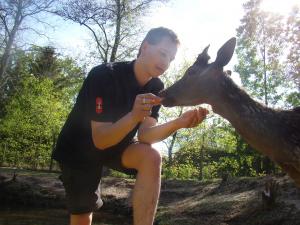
<point>158,57</point>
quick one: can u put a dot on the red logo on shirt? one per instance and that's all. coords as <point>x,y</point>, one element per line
<point>99,105</point>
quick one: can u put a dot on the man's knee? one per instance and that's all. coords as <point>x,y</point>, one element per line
<point>141,156</point>
<point>150,157</point>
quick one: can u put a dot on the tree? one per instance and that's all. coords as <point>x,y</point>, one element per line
<point>207,151</point>
<point>42,62</point>
<point>261,44</point>
<point>45,62</point>
<point>293,58</point>
<point>260,47</point>
<point>35,114</point>
<point>115,24</point>
<point>13,15</point>
<point>38,107</point>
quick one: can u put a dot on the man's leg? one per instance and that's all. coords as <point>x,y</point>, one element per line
<point>147,161</point>
<point>81,219</point>
<point>82,187</point>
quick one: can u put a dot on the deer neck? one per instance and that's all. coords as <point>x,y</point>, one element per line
<point>252,120</point>
<point>232,103</point>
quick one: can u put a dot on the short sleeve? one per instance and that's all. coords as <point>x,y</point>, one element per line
<point>155,89</point>
<point>100,94</point>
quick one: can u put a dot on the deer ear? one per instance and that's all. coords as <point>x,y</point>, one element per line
<point>225,53</point>
<point>203,58</point>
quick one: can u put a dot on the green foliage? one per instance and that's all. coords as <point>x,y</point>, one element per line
<point>34,116</point>
<point>36,107</point>
<point>43,62</point>
<point>293,99</point>
<point>212,150</point>
<point>268,54</point>
<point>261,43</point>
<point>180,171</point>
<point>115,173</point>
<point>293,38</point>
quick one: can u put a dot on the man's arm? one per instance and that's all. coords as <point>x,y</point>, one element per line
<point>150,133</point>
<point>106,134</point>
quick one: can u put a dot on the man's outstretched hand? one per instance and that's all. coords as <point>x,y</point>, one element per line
<point>192,118</point>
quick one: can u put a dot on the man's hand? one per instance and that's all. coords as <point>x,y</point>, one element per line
<point>143,105</point>
<point>192,118</point>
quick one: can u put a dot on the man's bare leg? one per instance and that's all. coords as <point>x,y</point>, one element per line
<point>81,219</point>
<point>147,186</point>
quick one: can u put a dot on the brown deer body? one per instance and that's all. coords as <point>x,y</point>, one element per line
<point>275,133</point>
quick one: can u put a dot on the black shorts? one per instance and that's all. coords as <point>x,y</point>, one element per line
<point>83,184</point>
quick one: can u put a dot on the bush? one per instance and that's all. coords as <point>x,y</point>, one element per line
<point>180,172</point>
<point>115,173</point>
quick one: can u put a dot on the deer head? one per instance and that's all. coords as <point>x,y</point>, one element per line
<point>199,80</point>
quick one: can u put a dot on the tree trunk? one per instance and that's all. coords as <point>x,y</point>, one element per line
<point>53,147</point>
<point>117,34</point>
<point>7,51</point>
<point>170,149</point>
<point>201,161</point>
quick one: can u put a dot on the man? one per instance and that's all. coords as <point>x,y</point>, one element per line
<point>116,101</point>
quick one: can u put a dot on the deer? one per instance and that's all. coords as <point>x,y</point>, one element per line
<point>273,132</point>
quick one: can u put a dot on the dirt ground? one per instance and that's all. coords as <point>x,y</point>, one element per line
<point>236,201</point>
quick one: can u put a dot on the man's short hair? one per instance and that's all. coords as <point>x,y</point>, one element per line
<point>155,35</point>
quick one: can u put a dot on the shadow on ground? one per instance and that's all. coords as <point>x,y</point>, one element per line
<point>39,197</point>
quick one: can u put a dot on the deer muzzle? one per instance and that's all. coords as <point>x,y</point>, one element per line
<point>167,100</point>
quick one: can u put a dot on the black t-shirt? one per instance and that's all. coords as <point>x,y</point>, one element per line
<point>107,94</point>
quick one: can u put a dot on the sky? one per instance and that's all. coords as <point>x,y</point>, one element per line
<point>198,23</point>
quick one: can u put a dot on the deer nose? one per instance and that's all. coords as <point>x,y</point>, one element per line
<point>167,100</point>
<point>162,94</point>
